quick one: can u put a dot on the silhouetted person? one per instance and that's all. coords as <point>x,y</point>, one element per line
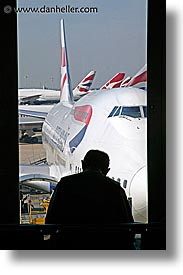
<point>25,204</point>
<point>90,198</point>
<point>22,204</point>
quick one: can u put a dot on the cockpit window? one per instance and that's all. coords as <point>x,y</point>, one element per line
<point>113,111</point>
<point>145,111</point>
<point>131,112</point>
<point>118,112</point>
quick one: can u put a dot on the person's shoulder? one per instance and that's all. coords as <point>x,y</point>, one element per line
<point>111,181</point>
<point>116,184</point>
<point>69,179</point>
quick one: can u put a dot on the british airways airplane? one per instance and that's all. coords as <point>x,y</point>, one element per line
<point>114,82</point>
<point>139,80</point>
<point>114,121</point>
<point>33,115</point>
<point>52,96</point>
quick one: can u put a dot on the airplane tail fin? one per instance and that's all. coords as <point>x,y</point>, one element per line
<point>125,81</point>
<point>114,82</point>
<point>66,94</point>
<point>139,79</point>
<point>84,86</point>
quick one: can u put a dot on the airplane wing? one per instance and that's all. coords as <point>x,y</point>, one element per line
<point>36,114</point>
<point>30,123</point>
<point>29,98</point>
<point>29,119</point>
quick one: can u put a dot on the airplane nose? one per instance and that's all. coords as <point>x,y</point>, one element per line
<point>138,193</point>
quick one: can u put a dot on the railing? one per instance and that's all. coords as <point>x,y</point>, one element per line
<point>39,161</point>
<point>149,236</point>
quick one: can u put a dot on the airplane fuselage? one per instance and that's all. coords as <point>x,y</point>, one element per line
<point>113,121</point>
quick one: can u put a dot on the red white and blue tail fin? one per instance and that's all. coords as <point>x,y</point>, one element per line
<point>66,94</point>
<point>140,79</point>
<point>125,81</point>
<point>114,82</point>
<point>84,86</point>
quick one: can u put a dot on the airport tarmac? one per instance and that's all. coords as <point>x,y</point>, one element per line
<point>30,153</point>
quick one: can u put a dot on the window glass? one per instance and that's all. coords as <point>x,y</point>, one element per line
<point>113,111</point>
<point>131,112</point>
<point>117,113</point>
<point>145,111</point>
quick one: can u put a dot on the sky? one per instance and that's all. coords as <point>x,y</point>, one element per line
<point>110,41</point>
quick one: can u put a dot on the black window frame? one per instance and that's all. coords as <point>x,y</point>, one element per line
<point>156,116</point>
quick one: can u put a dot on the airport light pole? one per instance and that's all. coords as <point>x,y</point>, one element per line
<point>26,77</point>
<point>52,78</point>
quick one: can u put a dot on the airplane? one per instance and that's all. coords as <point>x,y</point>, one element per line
<point>84,86</point>
<point>139,80</point>
<point>31,95</point>
<point>114,82</point>
<point>114,121</point>
<point>27,122</point>
<point>38,110</point>
<point>125,81</point>
<point>41,111</point>
<point>40,101</point>
<point>46,96</point>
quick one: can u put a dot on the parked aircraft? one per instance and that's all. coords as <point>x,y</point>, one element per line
<point>139,80</point>
<point>125,81</point>
<point>45,96</point>
<point>40,103</point>
<point>114,120</point>
<point>84,86</point>
<point>39,110</point>
<point>31,95</point>
<point>114,82</point>
<point>32,116</point>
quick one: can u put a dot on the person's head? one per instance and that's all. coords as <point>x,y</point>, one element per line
<point>96,160</point>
